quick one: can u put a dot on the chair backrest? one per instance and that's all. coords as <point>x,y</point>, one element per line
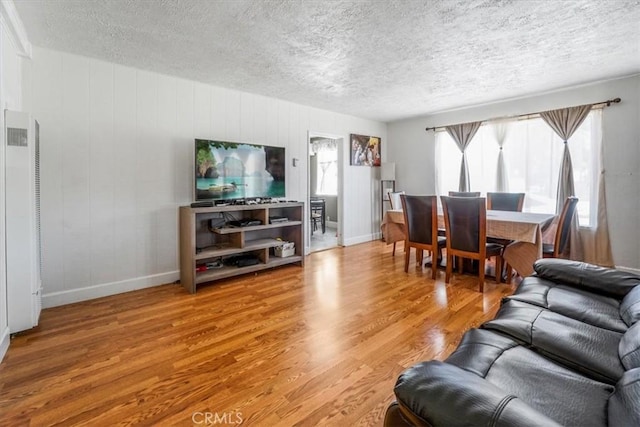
<point>505,201</point>
<point>420,218</point>
<point>465,221</point>
<point>464,194</point>
<point>563,231</point>
<point>394,199</point>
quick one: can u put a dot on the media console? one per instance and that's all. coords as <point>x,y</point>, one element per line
<point>204,245</point>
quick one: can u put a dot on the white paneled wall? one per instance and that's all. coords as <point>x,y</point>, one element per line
<point>117,161</point>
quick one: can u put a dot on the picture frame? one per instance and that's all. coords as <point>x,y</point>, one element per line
<point>365,150</point>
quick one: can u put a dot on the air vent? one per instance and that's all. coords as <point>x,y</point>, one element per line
<point>16,137</point>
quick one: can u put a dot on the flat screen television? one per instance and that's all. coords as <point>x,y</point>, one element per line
<point>230,170</point>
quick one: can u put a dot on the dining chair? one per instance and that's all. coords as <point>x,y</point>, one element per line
<point>505,201</point>
<point>558,248</point>
<point>421,229</point>
<point>465,222</point>
<point>394,201</point>
<point>464,194</point>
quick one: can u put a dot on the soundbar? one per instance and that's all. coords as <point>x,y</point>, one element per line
<point>202,204</point>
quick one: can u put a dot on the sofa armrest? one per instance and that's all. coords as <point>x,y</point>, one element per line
<point>606,281</point>
<point>439,394</point>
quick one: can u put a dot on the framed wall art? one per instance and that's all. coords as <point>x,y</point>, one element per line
<point>365,150</point>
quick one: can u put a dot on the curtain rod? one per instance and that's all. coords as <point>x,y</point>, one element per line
<point>602,104</point>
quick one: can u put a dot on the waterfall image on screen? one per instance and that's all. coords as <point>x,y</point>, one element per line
<point>230,170</point>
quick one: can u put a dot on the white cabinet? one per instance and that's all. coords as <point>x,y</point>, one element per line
<point>22,206</point>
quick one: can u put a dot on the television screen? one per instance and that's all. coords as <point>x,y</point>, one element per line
<point>231,170</point>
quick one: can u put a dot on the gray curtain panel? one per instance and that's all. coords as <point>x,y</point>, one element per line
<point>564,122</point>
<point>462,134</point>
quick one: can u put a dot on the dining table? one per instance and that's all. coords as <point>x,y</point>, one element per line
<point>524,229</point>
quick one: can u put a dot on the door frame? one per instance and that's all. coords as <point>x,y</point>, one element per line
<point>340,143</point>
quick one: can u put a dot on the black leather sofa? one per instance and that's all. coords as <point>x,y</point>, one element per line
<point>564,349</point>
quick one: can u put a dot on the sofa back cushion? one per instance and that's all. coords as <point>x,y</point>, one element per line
<point>629,348</point>
<point>624,406</point>
<point>607,281</point>
<point>630,307</point>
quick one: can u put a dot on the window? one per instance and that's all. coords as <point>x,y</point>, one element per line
<point>326,152</point>
<point>532,155</point>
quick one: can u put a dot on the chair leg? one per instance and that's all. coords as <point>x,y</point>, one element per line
<point>498,268</point>
<point>509,272</point>
<point>407,253</point>
<point>419,256</point>
<point>460,261</point>
<point>434,265</point>
<point>394,249</point>
<point>481,273</point>
<point>449,269</point>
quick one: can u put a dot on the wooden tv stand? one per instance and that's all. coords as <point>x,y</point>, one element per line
<point>206,237</point>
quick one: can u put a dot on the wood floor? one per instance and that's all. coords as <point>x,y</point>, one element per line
<point>319,345</point>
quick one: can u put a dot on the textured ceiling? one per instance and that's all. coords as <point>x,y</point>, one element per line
<point>379,59</point>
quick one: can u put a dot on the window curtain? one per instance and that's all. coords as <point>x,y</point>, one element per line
<point>500,131</point>
<point>326,151</point>
<point>462,134</point>
<point>596,246</point>
<point>564,122</point>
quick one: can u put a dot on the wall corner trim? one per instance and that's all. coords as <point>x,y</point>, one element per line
<point>15,28</point>
<point>5,338</point>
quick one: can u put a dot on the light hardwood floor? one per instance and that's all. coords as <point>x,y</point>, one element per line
<point>319,345</point>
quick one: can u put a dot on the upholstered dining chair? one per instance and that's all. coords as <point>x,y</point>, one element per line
<point>465,222</point>
<point>563,232</point>
<point>464,194</point>
<point>421,229</point>
<point>505,202</point>
<point>394,201</point>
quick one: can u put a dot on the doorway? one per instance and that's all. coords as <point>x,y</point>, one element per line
<point>324,187</point>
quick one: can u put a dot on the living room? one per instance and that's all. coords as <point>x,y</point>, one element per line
<point>117,162</point>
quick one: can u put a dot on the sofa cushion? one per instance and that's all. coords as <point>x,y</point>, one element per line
<point>582,305</point>
<point>580,346</point>
<point>607,281</point>
<point>624,409</point>
<point>564,395</point>
<point>629,347</point>
<point>630,307</point>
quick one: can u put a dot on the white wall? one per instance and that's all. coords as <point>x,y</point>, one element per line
<point>413,150</point>
<point>10,98</point>
<point>116,162</point>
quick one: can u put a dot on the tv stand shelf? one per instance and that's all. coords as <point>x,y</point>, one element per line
<point>199,244</point>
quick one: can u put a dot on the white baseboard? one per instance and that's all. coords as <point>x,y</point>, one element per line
<point>4,342</point>
<point>629,269</point>
<point>362,239</point>
<point>55,299</point>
